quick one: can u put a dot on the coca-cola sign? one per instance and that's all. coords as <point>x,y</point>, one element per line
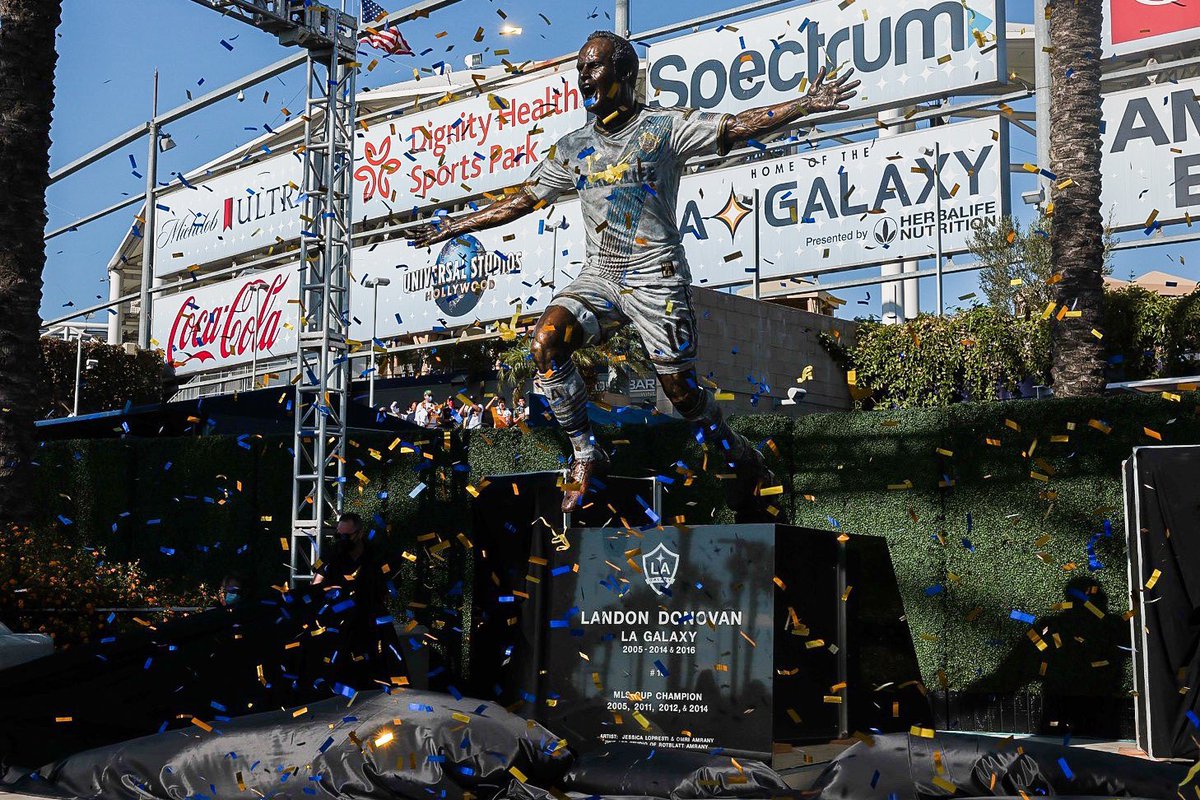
<point>222,325</point>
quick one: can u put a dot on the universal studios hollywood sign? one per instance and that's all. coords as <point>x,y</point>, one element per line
<point>904,51</point>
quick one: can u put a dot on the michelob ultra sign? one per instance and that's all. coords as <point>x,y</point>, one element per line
<point>903,51</point>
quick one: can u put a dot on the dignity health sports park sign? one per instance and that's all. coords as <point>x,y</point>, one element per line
<point>1151,155</point>
<point>831,209</point>
<point>1132,26</point>
<point>903,50</point>
<point>480,144</point>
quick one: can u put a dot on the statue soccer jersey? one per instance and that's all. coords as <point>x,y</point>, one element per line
<point>635,269</point>
<point>628,181</point>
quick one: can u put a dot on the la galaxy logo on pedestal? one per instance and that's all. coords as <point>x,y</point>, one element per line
<point>659,567</point>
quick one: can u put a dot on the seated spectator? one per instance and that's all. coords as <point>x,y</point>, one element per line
<point>472,416</point>
<point>502,416</point>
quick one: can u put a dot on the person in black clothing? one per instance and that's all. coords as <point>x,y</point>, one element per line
<point>363,647</point>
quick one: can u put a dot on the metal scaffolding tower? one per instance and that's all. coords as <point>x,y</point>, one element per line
<point>323,364</point>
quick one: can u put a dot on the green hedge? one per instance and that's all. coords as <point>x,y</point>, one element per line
<point>965,531</point>
<point>115,378</point>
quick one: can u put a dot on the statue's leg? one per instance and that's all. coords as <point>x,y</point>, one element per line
<point>558,334</point>
<point>577,316</point>
<point>662,313</point>
<point>697,405</point>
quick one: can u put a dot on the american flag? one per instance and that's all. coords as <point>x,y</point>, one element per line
<point>388,40</point>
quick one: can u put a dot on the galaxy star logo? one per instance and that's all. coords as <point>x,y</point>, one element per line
<point>658,567</point>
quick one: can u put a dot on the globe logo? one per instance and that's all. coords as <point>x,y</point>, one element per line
<point>456,268</point>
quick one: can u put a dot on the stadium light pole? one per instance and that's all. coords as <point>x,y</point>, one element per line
<point>78,368</point>
<point>148,223</point>
<point>374,283</point>
<point>621,18</point>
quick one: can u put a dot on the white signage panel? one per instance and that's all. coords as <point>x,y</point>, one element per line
<point>481,144</point>
<point>1134,26</point>
<point>1151,155</point>
<point>477,278</point>
<point>837,208</point>
<point>484,277</point>
<point>220,325</point>
<point>238,212</point>
<point>903,51</point>
<point>833,209</point>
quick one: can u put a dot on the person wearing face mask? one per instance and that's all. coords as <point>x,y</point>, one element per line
<point>232,591</point>
<point>364,643</point>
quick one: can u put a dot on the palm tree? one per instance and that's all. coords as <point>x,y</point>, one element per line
<point>1077,237</point>
<point>27,61</point>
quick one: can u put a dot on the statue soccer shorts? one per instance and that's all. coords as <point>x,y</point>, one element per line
<point>660,310</point>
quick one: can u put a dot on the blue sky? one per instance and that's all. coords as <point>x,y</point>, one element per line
<point>108,50</point>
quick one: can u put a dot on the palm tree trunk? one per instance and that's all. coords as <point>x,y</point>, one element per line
<point>1077,235</point>
<point>27,61</point>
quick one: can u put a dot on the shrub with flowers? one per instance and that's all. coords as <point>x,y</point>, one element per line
<point>55,586</point>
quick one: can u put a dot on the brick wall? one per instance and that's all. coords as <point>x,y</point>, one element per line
<point>773,344</point>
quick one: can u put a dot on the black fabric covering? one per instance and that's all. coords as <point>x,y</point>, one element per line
<point>508,644</point>
<point>630,770</point>
<point>328,750</point>
<point>903,767</point>
<point>1164,535</point>
<point>310,645</point>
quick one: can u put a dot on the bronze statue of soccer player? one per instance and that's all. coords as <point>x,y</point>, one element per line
<point>626,166</point>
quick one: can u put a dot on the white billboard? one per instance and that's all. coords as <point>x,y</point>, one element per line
<point>248,209</point>
<point>221,325</point>
<point>904,51</point>
<point>837,208</point>
<point>479,278</point>
<point>487,276</point>
<point>1151,155</point>
<point>481,144</point>
<point>832,209</point>
<point>1134,26</point>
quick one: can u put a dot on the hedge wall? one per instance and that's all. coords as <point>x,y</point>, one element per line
<point>988,510</point>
